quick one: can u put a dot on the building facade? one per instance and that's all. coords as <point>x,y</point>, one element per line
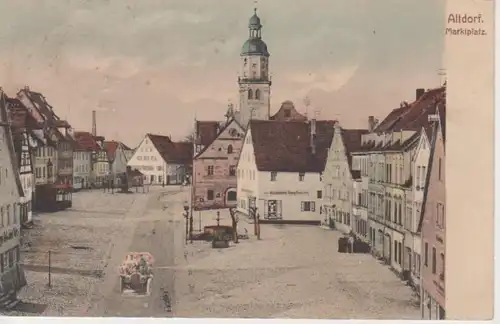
<point>85,148</point>
<point>162,161</point>
<point>254,80</point>
<point>414,199</point>
<point>214,169</point>
<point>12,277</point>
<point>339,178</point>
<point>279,169</point>
<point>23,145</point>
<point>117,158</point>
<point>388,156</point>
<point>433,225</point>
<point>54,155</point>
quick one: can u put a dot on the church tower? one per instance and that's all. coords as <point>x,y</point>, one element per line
<point>254,81</point>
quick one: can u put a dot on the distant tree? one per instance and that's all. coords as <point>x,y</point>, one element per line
<point>190,138</point>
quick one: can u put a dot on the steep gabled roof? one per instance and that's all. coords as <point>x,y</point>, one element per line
<point>4,117</point>
<point>415,115</point>
<point>436,129</point>
<point>228,123</point>
<point>285,146</point>
<point>352,143</point>
<point>86,142</point>
<point>172,152</point>
<point>206,132</point>
<point>288,112</point>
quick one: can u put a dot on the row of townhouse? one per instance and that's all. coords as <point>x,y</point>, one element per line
<point>386,186</point>
<point>97,162</point>
<point>12,202</point>
<point>375,183</point>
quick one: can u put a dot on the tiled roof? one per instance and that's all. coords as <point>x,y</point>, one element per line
<point>85,142</point>
<point>206,132</point>
<point>4,117</point>
<point>285,146</point>
<point>415,115</point>
<point>171,152</point>
<point>291,114</point>
<point>352,143</point>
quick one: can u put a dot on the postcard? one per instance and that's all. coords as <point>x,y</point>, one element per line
<point>247,159</point>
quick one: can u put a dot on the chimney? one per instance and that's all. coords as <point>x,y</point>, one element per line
<point>94,124</point>
<point>372,123</point>
<point>313,135</point>
<point>419,93</point>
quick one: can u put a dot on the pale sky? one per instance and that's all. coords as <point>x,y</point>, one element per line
<point>150,65</point>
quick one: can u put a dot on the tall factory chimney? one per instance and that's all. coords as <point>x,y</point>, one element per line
<point>94,123</point>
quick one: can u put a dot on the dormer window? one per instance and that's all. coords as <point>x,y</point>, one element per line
<point>301,176</point>
<point>230,149</point>
<point>287,113</point>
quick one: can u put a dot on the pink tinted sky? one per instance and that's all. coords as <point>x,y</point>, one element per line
<point>149,66</point>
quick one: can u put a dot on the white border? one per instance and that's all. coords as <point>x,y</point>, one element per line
<point>116,320</point>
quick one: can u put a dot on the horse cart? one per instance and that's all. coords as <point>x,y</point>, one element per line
<point>136,272</point>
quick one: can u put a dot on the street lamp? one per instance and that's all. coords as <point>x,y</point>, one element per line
<point>186,216</point>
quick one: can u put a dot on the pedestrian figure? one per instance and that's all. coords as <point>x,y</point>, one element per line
<point>166,300</point>
<point>351,243</point>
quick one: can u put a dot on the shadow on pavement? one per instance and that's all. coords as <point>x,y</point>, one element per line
<point>30,308</point>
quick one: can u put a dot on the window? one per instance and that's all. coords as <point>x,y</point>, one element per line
<point>416,259</point>
<point>418,178</point>
<point>434,260</point>
<point>287,113</point>
<point>257,94</point>
<point>210,195</point>
<point>395,251</point>
<point>232,170</point>
<point>8,214</point>
<point>273,176</point>
<point>424,174</point>
<point>231,196</point>
<point>440,215</point>
<point>250,94</point>
<point>439,169</point>
<point>400,252</point>
<point>210,170</point>
<point>426,254</point>
<point>1,217</point>
<point>230,149</point>
<point>301,176</point>
<point>319,194</point>
<point>308,206</point>
<point>441,275</point>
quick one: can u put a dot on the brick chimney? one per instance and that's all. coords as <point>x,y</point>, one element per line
<point>372,123</point>
<point>419,92</point>
<point>312,126</point>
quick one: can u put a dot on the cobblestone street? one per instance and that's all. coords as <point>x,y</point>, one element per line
<point>292,272</point>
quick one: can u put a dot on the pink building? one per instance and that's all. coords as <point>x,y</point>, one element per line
<point>214,169</point>
<point>433,224</point>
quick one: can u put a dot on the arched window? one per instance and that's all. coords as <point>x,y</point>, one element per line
<point>250,94</point>
<point>257,94</point>
<point>229,149</point>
